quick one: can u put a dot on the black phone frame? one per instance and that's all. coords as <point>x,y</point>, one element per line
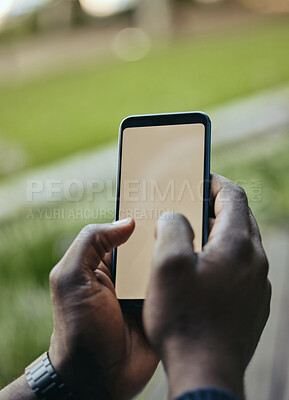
<point>180,118</point>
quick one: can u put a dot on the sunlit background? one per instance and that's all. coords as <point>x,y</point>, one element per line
<point>70,71</point>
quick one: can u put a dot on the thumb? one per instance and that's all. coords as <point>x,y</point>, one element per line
<point>174,242</point>
<point>90,247</point>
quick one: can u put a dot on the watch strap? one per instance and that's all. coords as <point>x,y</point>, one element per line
<point>45,382</point>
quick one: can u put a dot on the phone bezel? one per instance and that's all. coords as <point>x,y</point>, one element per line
<point>181,118</point>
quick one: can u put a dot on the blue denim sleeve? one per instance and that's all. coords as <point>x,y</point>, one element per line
<point>208,394</point>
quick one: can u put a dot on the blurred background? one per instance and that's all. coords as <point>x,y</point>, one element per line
<point>70,71</point>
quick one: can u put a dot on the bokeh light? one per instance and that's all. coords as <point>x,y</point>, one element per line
<point>132,44</point>
<point>105,8</point>
<point>5,8</point>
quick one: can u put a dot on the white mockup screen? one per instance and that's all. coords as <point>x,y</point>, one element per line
<point>162,169</point>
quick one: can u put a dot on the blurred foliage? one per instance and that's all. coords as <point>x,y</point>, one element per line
<point>19,30</point>
<point>29,248</point>
<point>60,114</point>
<point>25,324</point>
<point>261,166</point>
<point>25,312</point>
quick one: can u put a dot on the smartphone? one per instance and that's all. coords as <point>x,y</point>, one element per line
<point>163,165</point>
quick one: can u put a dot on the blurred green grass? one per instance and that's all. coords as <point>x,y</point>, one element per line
<point>29,248</point>
<point>26,326</point>
<point>60,114</point>
<point>261,166</point>
<point>66,112</point>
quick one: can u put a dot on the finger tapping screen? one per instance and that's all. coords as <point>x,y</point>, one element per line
<point>162,169</point>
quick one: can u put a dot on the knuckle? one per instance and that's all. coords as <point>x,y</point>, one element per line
<point>261,263</point>
<point>264,263</point>
<point>240,193</point>
<point>105,241</point>
<point>57,279</point>
<point>97,235</point>
<point>242,245</point>
<point>268,295</point>
<point>269,290</point>
<point>89,228</point>
<point>87,231</point>
<point>54,277</point>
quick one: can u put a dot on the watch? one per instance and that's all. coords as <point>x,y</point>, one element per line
<point>45,382</point>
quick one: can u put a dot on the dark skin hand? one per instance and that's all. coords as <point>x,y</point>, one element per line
<point>99,352</point>
<point>205,312</point>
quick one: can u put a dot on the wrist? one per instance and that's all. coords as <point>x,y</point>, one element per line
<point>79,376</point>
<point>19,389</point>
<point>190,367</point>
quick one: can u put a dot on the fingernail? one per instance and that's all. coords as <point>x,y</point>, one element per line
<point>120,222</point>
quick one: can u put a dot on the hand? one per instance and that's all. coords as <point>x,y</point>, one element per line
<point>205,312</point>
<point>99,352</point>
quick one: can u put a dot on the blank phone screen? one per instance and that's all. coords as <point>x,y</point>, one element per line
<point>162,169</point>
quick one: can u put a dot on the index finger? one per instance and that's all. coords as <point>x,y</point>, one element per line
<point>174,243</point>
